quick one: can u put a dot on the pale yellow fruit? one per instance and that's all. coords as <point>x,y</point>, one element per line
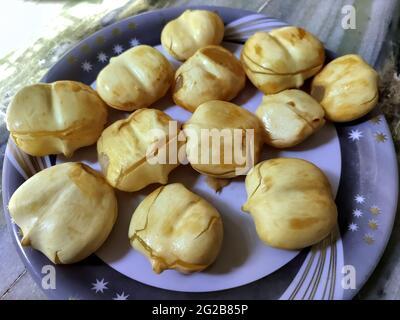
<point>282,58</point>
<point>135,79</point>
<point>176,229</point>
<point>54,118</point>
<point>125,146</point>
<point>291,203</point>
<point>347,88</point>
<point>289,117</point>
<point>217,184</point>
<point>212,73</point>
<point>223,139</point>
<point>192,30</point>
<point>66,211</point>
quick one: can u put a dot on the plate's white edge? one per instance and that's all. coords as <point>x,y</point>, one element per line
<point>318,278</point>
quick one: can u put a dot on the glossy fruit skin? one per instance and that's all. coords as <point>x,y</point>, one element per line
<point>176,229</point>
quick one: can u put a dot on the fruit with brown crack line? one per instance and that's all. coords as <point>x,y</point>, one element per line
<point>291,203</point>
<point>176,229</point>
<point>223,139</point>
<point>130,150</point>
<point>135,79</point>
<point>54,118</point>
<point>289,117</point>
<point>347,88</point>
<point>192,30</point>
<point>282,58</point>
<point>212,73</point>
<point>65,211</point>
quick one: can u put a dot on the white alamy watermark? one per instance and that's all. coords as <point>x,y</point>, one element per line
<point>49,277</point>
<point>207,147</point>
<point>349,277</point>
<point>349,18</point>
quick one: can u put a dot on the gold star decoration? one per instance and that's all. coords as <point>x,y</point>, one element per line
<point>132,25</point>
<point>375,210</point>
<point>100,40</point>
<point>85,48</point>
<point>115,32</point>
<point>71,59</point>
<point>380,137</point>
<point>376,120</point>
<point>373,224</point>
<point>369,239</point>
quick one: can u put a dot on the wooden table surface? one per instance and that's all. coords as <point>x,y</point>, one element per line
<point>375,38</point>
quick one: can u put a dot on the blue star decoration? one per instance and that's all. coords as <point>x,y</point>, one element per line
<point>359,198</point>
<point>353,227</point>
<point>87,66</point>
<point>102,57</point>
<point>134,42</point>
<point>355,135</point>
<point>100,285</point>
<point>121,296</point>
<point>357,213</point>
<point>118,49</point>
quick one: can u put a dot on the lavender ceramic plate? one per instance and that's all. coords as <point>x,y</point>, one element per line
<point>358,159</point>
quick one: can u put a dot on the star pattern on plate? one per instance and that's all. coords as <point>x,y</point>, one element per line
<point>376,120</point>
<point>102,57</point>
<point>86,66</point>
<point>353,227</point>
<point>369,225</point>
<point>100,40</point>
<point>375,210</point>
<point>118,49</point>
<point>71,59</point>
<point>355,135</point>
<point>99,285</point>
<point>359,199</point>
<point>369,238</point>
<point>132,26</point>
<point>380,137</point>
<point>357,213</point>
<point>373,224</point>
<point>85,48</point>
<point>121,296</point>
<point>116,32</point>
<point>134,42</point>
